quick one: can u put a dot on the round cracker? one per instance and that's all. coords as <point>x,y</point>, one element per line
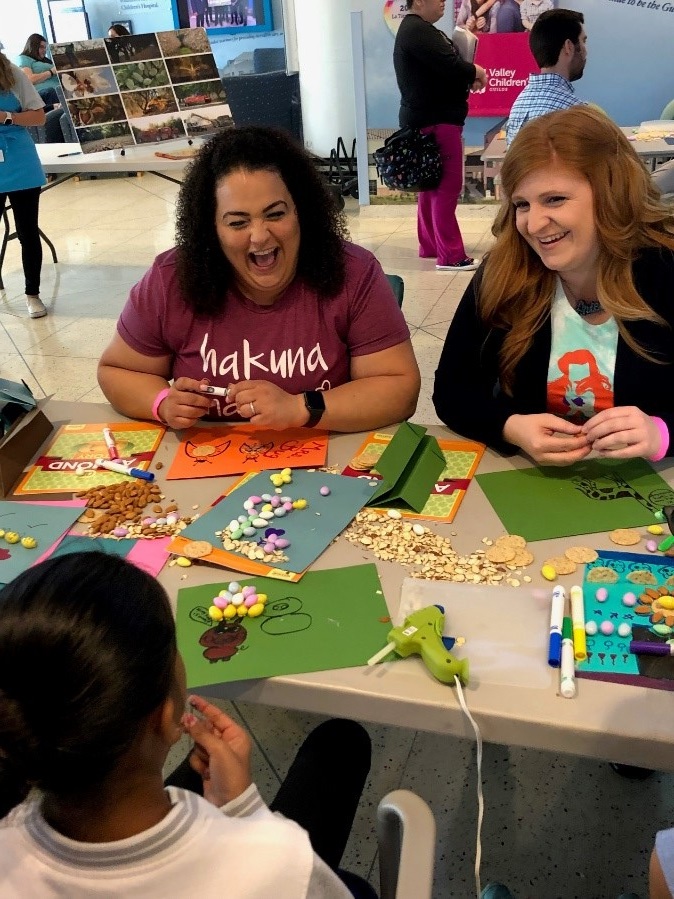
<point>364,462</point>
<point>561,564</point>
<point>625,536</point>
<point>581,555</point>
<point>500,553</point>
<point>512,540</point>
<point>197,549</point>
<point>522,558</point>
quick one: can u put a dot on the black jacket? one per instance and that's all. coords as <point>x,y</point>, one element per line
<point>433,80</point>
<point>466,395</point>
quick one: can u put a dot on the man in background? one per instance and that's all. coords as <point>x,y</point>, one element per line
<point>434,82</point>
<point>559,45</point>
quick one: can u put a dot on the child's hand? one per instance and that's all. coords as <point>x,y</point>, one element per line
<point>221,752</point>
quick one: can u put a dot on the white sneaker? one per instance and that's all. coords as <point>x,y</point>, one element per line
<point>36,308</point>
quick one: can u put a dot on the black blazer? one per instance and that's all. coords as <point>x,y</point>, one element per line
<point>466,394</point>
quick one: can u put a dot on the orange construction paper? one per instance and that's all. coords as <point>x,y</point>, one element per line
<point>223,450</point>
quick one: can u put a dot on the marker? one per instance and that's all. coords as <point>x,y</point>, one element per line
<point>63,155</point>
<point>122,469</point>
<point>578,618</point>
<point>556,620</point>
<point>640,647</point>
<point>110,443</point>
<point>218,391</point>
<point>567,673</point>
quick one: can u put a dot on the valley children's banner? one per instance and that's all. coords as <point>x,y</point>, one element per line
<point>502,31</point>
<point>508,62</point>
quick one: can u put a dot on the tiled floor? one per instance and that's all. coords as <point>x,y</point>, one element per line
<point>554,826</point>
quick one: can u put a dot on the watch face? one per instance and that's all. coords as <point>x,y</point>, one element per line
<point>314,401</point>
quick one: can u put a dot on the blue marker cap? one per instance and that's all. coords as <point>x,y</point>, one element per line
<point>555,650</point>
<point>139,473</point>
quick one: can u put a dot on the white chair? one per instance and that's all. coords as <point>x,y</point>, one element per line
<point>406,837</point>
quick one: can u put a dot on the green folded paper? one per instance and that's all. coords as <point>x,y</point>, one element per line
<point>410,466</point>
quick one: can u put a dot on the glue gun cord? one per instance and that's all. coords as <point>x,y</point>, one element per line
<point>480,797</point>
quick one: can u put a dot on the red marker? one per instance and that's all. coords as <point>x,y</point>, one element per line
<point>110,443</point>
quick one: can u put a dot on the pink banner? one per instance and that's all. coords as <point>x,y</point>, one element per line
<point>508,63</point>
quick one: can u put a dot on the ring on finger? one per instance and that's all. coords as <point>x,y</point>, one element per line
<point>252,409</point>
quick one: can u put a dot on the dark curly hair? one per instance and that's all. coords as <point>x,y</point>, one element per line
<point>203,269</point>
<point>87,652</point>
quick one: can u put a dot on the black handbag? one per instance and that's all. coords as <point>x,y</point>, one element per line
<point>409,160</point>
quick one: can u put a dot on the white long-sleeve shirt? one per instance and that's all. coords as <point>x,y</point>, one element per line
<point>240,850</point>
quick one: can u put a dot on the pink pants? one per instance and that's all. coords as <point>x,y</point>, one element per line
<point>437,227</point>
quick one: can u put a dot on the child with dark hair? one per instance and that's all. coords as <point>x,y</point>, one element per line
<point>92,693</point>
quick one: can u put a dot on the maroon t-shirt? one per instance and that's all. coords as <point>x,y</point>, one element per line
<point>301,342</point>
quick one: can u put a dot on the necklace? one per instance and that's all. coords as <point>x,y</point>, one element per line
<point>583,307</point>
<point>588,307</point>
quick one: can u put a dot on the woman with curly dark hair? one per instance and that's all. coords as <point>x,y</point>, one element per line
<point>263,311</point>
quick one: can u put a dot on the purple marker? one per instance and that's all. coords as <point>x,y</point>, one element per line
<point>641,647</point>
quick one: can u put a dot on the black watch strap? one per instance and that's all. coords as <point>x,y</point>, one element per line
<point>315,403</point>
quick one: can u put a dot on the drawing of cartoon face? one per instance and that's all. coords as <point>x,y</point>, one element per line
<point>253,449</point>
<point>204,452</point>
<point>223,641</point>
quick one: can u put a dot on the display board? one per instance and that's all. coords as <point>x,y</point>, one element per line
<point>142,89</point>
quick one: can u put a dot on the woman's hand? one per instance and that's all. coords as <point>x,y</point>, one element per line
<point>549,440</point>
<point>265,404</point>
<point>623,432</point>
<point>221,754</point>
<point>184,404</point>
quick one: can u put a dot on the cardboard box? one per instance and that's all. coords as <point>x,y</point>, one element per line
<point>19,445</point>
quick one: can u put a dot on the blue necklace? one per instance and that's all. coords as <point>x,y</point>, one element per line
<point>588,307</point>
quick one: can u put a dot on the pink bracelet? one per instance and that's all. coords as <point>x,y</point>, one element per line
<point>664,439</point>
<point>157,403</point>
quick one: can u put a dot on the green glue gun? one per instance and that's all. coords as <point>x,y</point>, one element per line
<point>421,634</point>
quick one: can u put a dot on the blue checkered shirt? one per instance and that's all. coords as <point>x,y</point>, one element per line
<point>543,94</point>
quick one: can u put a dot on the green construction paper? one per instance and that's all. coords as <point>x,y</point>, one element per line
<point>310,531</point>
<point>330,619</point>
<point>585,498</point>
<point>410,465</point>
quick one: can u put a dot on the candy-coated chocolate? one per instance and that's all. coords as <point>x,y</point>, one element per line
<point>255,610</point>
<point>259,522</point>
<point>662,629</point>
<point>215,614</point>
<point>30,542</point>
<point>183,562</point>
<point>282,543</point>
<point>324,491</point>
<point>221,601</point>
<point>248,589</point>
<point>280,512</point>
<point>258,499</point>
<point>548,572</point>
<point>266,497</point>
<point>12,537</point>
<point>262,597</point>
<point>286,472</point>
<point>229,612</point>
<point>300,504</point>
<point>655,529</point>
<point>651,546</point>
<point>237,599</point>
<point>234,587</point>
<point>269,547</point>
<point>250,531</point>
<point>250,600</point>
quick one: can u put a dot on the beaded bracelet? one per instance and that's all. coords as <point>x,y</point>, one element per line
<point>157,403</point>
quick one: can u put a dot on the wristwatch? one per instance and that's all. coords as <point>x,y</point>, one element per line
<point>315,403</point>
<point>8,119</point>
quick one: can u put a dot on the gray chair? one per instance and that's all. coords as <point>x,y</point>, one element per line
<point>406,838</point>
<point>663,178</point>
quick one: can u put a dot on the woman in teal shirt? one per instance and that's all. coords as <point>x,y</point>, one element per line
<point>21,175</point>
<point>39,68</point>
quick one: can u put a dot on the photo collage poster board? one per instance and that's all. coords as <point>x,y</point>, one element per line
<point>142,89</point>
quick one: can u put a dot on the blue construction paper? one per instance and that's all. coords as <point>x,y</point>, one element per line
<point>44,522</point>
<point>311,530</point>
